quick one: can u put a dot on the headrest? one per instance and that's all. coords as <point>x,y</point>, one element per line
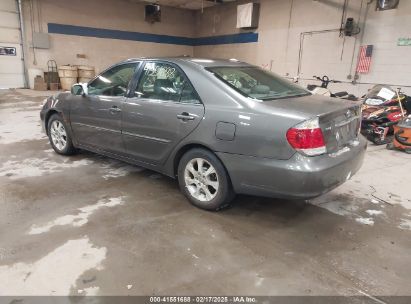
<point>163,86</point>
<point>261,89</point>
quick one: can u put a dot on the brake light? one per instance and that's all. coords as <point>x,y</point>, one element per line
<point>307,138</point>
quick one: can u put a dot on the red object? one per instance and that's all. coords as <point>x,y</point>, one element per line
<point>364,59</point>
<point>302,139</point>
<point>395,116</point>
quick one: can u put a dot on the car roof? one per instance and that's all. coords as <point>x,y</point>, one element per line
<point>203,62</point>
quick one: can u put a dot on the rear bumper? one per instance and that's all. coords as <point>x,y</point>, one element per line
<point>299,177</point>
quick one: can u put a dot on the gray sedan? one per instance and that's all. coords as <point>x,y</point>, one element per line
<point>221,127</point>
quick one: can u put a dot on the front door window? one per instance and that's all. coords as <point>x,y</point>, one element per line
<point>113,82</point>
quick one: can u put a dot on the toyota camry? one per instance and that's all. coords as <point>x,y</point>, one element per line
<point>221,127</point>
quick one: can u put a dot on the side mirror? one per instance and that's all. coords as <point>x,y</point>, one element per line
<point>79,89</point>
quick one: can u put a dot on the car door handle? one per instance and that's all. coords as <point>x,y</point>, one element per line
<point>115,109</point>
<point>185,116</point>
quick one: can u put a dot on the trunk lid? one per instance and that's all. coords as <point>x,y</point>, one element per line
<point>341,128</point>
<point>339,119</point>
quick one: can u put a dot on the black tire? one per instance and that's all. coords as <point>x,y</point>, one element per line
<point>68,149</point>
<point>377,140</point>
<point>390,146</point>
<point>223,196</point>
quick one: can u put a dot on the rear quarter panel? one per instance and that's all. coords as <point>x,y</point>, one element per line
<point>259,131</point>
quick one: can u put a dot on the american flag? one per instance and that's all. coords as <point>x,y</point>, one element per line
<point>364,59</point>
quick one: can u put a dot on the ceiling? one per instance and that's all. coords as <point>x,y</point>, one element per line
<point>188,4</point>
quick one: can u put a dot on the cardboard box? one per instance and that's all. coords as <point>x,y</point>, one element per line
<point>54,86</point>
<point>38,79</point>
<point>40,84</point>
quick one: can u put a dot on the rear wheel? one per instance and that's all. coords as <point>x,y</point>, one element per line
<point>204,180</point>
<point>59,137</point>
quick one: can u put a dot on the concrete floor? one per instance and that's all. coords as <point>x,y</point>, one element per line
<point>90,225</point>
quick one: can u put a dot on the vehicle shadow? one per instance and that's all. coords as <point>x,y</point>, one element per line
<point>243,207</point>
<point>270,214</point>
<point>251,204</point>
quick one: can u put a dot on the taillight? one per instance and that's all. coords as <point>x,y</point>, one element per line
<point>307,138</point>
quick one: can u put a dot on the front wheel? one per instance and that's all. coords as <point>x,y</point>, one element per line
<point>59,137</point>
<point>204,180</point>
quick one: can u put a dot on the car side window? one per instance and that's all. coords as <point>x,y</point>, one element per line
<point>188,94</point>
<point>163,81</point>
<point>113,82</point>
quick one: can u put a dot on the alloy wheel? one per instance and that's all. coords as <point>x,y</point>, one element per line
<point>201,179</point>
<point>58,135</point>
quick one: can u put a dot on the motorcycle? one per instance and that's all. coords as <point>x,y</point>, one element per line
<point>324,91</point>
<point>382,109</point>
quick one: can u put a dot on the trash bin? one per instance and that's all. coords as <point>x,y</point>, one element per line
<point>68,76</point>
<point>85,73</point>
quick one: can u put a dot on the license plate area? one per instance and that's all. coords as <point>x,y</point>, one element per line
<point>341,128</point>
<point>343,134</point>
<point>346,133</point>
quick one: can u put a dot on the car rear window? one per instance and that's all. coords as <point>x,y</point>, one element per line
<point>257,83</point>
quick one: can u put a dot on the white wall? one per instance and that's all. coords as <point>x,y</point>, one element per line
<point>105,14</point>
<point>282,22</point>
<point>392,63</point>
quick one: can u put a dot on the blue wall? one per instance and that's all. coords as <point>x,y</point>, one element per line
<point>55,28</point>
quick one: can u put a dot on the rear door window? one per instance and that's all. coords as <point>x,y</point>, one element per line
<point>164,81</point>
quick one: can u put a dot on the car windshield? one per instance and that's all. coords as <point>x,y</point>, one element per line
<point>256,83</point>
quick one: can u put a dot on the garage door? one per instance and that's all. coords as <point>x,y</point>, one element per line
<point>11,64</point>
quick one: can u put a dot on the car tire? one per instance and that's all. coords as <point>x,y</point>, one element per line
<point>208,188</point>
<point>59,136</point>
<point>390,146</point>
